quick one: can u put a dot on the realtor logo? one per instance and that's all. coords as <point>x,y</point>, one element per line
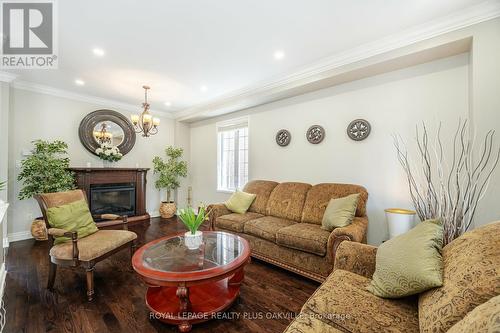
<point>28,34</point>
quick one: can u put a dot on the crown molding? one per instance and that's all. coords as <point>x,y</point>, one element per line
<point>261,93</point>
<point>7,77</point>
<point>108,103</point>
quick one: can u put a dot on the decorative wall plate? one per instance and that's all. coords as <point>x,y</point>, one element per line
<point>315,134</point>
<point>359,129</point>
<point>283,137</point>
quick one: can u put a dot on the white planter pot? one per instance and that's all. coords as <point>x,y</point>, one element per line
<point>191,241</point>
<point>399,221</point>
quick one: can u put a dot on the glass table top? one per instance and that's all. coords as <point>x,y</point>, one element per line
<point>171,255</point>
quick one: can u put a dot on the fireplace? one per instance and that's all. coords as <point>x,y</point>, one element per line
<point>116,199</point>
<point>120,191</point>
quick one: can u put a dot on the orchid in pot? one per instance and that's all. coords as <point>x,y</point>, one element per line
<point>108,153</point>
<point>194,237</point>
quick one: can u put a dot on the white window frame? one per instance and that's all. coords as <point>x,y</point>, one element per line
<point>231,124</point>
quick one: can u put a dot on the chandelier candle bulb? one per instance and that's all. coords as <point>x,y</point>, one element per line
<point>134,118</point>
<point>156,121</point>
<point>146,119</point>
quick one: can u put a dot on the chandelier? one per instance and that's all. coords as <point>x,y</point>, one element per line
<point>145,123</point>
<point>103,136</point>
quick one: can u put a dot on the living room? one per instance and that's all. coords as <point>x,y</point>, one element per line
<point>285,176</point>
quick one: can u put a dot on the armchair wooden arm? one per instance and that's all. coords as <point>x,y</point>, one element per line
<point>65,233</point>
<point>113,217</point>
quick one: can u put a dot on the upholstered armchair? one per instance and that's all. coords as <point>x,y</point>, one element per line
<point>86,251</point>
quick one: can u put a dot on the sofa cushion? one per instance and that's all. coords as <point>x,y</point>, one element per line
<point>484,318</point>
<point>305,237</point>
<point>343,301</point>
<point>471,267</point>
<point>266,227</point>
<point>263,189</point>
<point>93,246</point>
<point>235,222</point>
<point>319,196</point>
<point>287,200</point>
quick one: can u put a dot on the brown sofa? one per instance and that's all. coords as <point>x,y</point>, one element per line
<point>283,225</point>
<point>468,301</point>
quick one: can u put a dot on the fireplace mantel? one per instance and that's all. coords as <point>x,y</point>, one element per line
<point>86,177</point>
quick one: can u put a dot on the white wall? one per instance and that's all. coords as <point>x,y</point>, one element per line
<point>39,116</point>
<point>392,103</point>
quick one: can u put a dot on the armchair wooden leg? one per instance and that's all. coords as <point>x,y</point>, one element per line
<point>52,275</point>
<point>90,283</point>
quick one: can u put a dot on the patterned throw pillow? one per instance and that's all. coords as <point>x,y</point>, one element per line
<point>410,263</point>
<point>74,216</point>
<point>340,212</point>
<point>239,202</point>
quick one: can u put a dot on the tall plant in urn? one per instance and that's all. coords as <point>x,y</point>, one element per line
<point>169,172</point>
<point>45,170</point>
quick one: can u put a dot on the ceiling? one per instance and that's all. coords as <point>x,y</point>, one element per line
<point>177,47</point>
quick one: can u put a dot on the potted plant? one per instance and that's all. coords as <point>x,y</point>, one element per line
<point>168,177</point>
<point>108,154</point>
<point>194,237</point>
<point>45,171</point>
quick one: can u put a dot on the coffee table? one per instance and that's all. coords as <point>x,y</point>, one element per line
<point>191,286</point>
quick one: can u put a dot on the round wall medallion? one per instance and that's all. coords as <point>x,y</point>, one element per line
<point>315,134</point>
<point>283,137</point>
<point>358,129</point>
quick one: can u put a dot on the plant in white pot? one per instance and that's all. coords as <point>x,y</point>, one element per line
<point>45,171</point>
<point>168,177</point>
<point>194,237</point>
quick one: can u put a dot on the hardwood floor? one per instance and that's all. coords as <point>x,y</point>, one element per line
<point>269,296</point>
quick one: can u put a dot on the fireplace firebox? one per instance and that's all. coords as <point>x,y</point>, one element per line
<point>120,191</point>
<point>116,199</point>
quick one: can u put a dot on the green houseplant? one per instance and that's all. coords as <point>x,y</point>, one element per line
<point>169,172</point>
<point>193,238</point>
<point>45,171</point>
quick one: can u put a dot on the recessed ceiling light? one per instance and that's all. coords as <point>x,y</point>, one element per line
<point>168,104</point>
<point>278,55</point>
<point>98,52</point>
<point>79,82</point>
<point>203,88</point>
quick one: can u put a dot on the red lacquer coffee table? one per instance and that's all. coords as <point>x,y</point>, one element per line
<point>190,286</point>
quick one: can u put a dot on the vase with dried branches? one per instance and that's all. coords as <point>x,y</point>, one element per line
<point>449,187</point>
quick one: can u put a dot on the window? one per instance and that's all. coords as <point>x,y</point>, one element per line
<point>232,154</point>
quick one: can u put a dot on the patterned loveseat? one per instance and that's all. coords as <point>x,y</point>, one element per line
<point>283,225</point>
<point>468,301</point>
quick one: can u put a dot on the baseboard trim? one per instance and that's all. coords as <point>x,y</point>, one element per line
<point>156,213</point>
<point>19,236</point>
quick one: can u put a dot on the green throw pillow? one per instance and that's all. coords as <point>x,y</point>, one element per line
<point>409,263</point>
<point>240,201</point>
<point>340,212</point>
<point>74,216</point>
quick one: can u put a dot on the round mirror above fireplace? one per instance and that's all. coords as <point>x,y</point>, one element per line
<point>106,126</point>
